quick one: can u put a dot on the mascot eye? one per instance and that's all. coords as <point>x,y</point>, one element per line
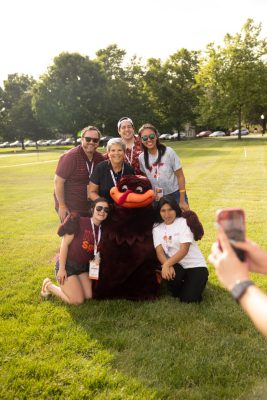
<point>139,189</point>
<point>124,188</point>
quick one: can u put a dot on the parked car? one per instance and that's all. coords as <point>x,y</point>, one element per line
<point>29,143</point>
<point>104,139</point>
<point>163,136</point>
<point>41,142</point>
<point>244,132</point>
<point>17,143</point>
<point>203,134</point>
<point>3,145</point>
<point>57,142</point>
<point>175,136</point>
<point>217,133</point>
<point>68,141</point>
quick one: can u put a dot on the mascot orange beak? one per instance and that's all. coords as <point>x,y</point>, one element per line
<point>129,199</point>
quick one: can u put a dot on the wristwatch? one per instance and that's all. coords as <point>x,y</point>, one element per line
<point>240,288</point>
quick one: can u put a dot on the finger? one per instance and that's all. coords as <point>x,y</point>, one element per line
<point>212,259</point>
<point>224,241</point>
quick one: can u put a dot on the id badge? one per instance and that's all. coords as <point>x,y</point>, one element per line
<point>158,193</point>
<point>94,270</point>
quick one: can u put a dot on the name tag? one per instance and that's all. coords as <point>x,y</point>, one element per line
<point>158,193</point>
<point>94,270</point>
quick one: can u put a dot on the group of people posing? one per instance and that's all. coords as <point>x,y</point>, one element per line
<point>83,181</point>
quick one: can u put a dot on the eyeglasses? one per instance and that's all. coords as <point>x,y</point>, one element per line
<point>90,139</point>
<point>151,137</point>
<point>101,208</point>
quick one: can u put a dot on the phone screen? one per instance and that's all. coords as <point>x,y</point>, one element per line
<point>232,221</point>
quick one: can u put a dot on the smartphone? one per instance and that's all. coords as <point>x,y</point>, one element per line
<point>232,220</point>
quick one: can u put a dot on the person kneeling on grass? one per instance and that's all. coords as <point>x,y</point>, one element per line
<point>80,245</point>
<point>183,265</point>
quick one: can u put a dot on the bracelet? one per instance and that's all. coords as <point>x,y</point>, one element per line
<point>62,205</point>
<point>182,190</point>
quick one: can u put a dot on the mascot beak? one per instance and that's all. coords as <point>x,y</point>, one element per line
<point>129,199</point>
<point>124,196</point>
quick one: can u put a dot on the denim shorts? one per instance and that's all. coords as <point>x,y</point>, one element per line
<point>73,268</point>
<point>176,195</point>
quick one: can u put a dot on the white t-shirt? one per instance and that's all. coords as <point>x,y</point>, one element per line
<point>163,174</point>
<point>171,236</point>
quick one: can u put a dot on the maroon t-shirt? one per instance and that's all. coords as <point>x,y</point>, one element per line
<point>81,249</point>
<point>75,168</point>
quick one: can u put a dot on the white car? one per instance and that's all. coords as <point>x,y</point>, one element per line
<point>17,143</point>
<point>217,133</point>
<point>29,143</point>
<point>244,132</point>
<point>175,136</point>
<point>5,144</point>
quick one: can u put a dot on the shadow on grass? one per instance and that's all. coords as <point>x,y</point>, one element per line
<point>193,351</point>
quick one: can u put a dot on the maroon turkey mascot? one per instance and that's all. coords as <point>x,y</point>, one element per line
<point>128,268</point>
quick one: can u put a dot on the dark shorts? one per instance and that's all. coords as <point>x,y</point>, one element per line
<point>73,268</point>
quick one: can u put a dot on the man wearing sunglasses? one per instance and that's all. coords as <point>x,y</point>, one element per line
<point>73,174</point>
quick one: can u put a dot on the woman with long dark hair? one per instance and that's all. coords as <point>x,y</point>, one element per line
<point>183,265</point>
<point>80,246</point>
<point>162,166</point>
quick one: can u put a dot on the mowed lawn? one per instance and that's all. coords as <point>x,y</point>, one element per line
<point>118,349</point>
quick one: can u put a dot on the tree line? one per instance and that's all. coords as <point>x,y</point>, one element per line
<point>221,88</point>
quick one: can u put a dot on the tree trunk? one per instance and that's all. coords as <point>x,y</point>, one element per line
<point>239,123</point>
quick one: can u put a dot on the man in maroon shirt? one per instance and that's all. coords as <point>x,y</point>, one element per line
<point>73,174</point>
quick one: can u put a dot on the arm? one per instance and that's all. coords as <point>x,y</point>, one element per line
<point>254,303</point>
<point>229,270</point>
<point>168,263</point>
<point>93,191</point>
<point>63,253</point>
<point>63,210</point>
<point>181,183</point>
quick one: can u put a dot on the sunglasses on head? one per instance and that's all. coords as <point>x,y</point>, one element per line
<point>90,139</point>
<point>102,208</point>
<point>146,137</point>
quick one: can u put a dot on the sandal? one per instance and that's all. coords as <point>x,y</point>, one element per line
<point>44,291</point>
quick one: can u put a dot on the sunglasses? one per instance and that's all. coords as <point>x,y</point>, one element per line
<point>90,139</point>
<point>101,208</point>
<point>151,137</point>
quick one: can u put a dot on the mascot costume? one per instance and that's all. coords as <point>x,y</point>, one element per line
<point>128,267</point>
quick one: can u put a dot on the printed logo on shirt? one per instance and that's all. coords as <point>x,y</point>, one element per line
<point>89,248</point>
<point>86,241</point>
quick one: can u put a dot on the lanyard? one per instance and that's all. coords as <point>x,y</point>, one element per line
<point>96,242</point>
<point>156,173</point>
<point>113,176</point>
<point>90,170</point>
<point>131,156</point>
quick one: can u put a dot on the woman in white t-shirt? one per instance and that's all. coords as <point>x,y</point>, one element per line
<point>162,166</point>
<point>183,265</point>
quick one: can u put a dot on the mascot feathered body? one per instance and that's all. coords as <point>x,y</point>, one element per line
<point>128,259</point>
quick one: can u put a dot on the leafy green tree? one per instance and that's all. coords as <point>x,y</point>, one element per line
<point>17,118</point>
<point>171,87</point>
<point>111,60</point>
<point>70,95</point>
<point>231,79</point>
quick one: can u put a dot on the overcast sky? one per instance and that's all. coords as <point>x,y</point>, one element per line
<point>33,32</point>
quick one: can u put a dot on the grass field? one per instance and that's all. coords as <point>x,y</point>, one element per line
<point>119,350</point>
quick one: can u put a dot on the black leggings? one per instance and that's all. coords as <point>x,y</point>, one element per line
<point>188,283</point>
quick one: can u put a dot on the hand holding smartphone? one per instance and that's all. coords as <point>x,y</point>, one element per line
<point>232,220</point>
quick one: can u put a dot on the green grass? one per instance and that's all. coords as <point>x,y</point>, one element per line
<point>119,349</point>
